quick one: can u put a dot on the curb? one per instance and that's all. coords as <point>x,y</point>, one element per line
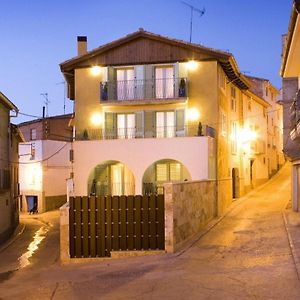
<point>18,231</point>
<point>292,245</point>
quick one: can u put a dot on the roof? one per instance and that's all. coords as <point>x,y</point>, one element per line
<point>7,103</point>
<point>226,59</point>
<point>292,24</point>
<point>66,116</point>
<point>257,87</point>
<point>258,98</point>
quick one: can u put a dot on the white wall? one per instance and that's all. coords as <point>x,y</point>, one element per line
<point>138,155</point>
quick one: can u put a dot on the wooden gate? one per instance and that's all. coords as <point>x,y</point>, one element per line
<point>99,225</point>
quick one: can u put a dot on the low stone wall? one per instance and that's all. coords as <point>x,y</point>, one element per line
<point>189,206</point>
<point>64,233</point>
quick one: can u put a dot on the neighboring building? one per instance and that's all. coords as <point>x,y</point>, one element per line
<point>290,72</point>
<point>255,160</point>
<point>150,109</point>
<point>45,163</point>
<point>9,191</point>
<point>274,152</point>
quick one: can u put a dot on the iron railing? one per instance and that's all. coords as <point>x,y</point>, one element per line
<point>138,133</point>
<point>126,90</point>
<point>295,117</point>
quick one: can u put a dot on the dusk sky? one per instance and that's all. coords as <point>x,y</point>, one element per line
<point>37,35</point>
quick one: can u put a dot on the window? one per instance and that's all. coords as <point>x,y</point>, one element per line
<point>249,104</point>
<point>233,99</point>
<point>125,84</point>
<point>32,150</point>
<point>264,112</point>
<point>32,134</point>
<point>234,137</point>
<point>165,124</point>
<point>168,172</point>
<point>164,82</point>
<point>266,91</point>
<point>223,124</point>
<point>126,126</point>
<point>222,80</point>
<point>4,179</point>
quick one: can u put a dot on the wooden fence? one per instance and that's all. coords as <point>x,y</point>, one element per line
<point>99,225</point>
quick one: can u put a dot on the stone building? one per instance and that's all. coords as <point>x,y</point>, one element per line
<point>9,178</point>
<point>290,72</point>
<point>45,163</point>
<point>151,109</point>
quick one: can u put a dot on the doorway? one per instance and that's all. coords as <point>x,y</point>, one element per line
<point>235,183</point>
<point>32,204</point>
<point>251,172</point>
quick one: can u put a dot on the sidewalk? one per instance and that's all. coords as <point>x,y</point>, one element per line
<point>292,224</point>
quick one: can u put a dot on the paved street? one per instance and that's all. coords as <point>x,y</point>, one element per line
<point>245,256</point>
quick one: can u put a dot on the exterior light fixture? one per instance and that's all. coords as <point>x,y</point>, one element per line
<point>96,70</point>
<point>193,114</point>
<point>192,65</point>
<point>96,119</point>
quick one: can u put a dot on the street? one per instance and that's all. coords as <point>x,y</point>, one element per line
<point>245,256</point>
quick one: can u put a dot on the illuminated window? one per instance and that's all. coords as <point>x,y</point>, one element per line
<point>223,124</point>
<point>234,137</point>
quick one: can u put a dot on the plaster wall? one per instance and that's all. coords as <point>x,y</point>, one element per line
<point>139,154</point>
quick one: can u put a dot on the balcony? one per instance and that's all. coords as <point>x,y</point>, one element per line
<point>134,133</point>
<point>295,118</point>
<point>148,91</point>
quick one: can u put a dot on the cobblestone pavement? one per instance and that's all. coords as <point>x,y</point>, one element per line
<point>248,255</point>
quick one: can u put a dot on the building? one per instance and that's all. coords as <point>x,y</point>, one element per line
<point>274,154</point>
<point>45,160</point>
<point>290,72</point>
<point>151,109</point>
<point>9,187</point>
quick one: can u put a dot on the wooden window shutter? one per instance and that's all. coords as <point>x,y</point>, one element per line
<point>111,78</point>
<point>180,120</point>
<point>110,125</point>
<point>149,82</point>
<point>149,124</point>
<point>139,123</point>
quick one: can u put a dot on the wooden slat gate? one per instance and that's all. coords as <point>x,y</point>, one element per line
<point>99,225</point>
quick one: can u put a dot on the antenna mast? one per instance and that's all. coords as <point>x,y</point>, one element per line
<point>199,11</point>
<point>46,101</point>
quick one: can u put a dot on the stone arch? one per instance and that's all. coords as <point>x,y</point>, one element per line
<point>162,171</point>
<point>111,177</point>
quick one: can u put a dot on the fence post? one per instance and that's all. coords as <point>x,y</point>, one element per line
<point>64,233</point>
<point>169,218</point>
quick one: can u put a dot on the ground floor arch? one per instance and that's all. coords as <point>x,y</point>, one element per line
<point>162,171</point>
<point>111,178</point>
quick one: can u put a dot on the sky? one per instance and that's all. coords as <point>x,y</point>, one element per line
<point>38,35</point>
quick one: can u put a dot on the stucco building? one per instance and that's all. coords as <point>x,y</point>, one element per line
<point>45,163</point>
<point>290,71</point>
<point>9,178</point>
<point>151,109</point>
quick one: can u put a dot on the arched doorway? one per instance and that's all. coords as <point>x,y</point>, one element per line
<point>162,171</point>
<point>111,178</point>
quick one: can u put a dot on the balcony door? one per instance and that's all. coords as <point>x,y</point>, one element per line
<point>165,124</point>
<point>125,84</point>
<point>126,126</point>
<point>164,82</point>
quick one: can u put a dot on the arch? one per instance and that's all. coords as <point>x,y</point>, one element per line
<point>111,177</point>
<point>162,171</point>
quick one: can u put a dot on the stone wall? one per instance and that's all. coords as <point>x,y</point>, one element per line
<point>189,206</point>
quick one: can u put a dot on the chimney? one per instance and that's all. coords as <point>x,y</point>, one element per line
<point>81,45</point>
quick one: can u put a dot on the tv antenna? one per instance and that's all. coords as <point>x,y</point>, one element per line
<point>64,83</point>
<point>46,101</point>
<point>199,11</point>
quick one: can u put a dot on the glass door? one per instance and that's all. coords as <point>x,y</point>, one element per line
<point>164,82</point>
<point>125,84</point>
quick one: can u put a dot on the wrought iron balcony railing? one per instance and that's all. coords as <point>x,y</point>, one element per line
<point>295,117</point>
<point>135,133</point>
<point>126,90</point>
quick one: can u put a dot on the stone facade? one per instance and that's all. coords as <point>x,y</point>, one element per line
<point>189,206</point>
